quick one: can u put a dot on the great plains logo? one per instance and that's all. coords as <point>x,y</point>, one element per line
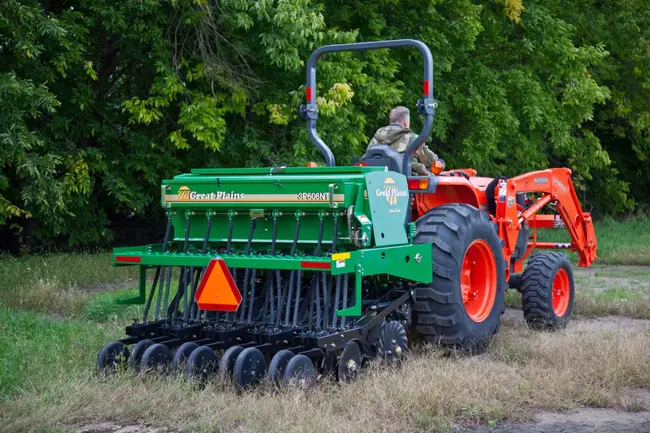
<point>391,191</point>
<point>183,193</point>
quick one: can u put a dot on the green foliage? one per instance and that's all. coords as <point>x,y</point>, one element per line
<point>101,101</point>
<point>623,124</point>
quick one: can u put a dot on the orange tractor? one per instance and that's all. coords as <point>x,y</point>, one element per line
<point>482,231</point>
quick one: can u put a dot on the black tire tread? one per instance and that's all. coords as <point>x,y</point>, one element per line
<point>536,301</point>
<point>438,317</point>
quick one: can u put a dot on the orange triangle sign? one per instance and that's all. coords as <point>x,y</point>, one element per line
<point>217,291</point>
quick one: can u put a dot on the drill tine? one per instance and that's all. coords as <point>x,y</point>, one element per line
<point>337,297</point>
<point>167,287</point>
<point>326,284</point>
<point>287,306</point>
<point>161,287</point>
<point>189,303</point>
<point>194,309</point>
<point>151,294</point>
<point>271,274</point>
<point>265,305</point>
<point>296,307</point>
<point>345,296</point>
<point>182,280</point>
<point>326,300</point>
<point>173,306</point>
<point>251,302</point>
<point>318,302</point>
<point>312,300</point>
<point>278,284</point>
<point>247,251</point>
<point>292,275</point>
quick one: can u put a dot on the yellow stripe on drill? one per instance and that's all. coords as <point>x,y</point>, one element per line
<point>340,256</point>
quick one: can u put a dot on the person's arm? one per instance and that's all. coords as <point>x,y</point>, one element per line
<point>426,156</point>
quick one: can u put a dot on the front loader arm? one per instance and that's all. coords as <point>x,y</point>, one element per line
<point>555,186</point>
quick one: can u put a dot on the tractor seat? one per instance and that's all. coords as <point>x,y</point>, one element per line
<point>383,156</point>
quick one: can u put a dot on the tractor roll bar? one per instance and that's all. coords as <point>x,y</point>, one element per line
<point>426,105</point>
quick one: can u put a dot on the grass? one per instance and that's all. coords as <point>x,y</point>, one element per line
<point>604,291</point>
<point>620,242</point>
<point>53,384</point>
<point>57,311</point>
<point>59,283</point>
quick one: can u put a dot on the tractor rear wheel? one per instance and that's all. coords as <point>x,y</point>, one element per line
<point>462,307</point>
<point>547,291</point>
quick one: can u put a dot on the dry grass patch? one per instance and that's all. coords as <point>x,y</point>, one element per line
<point>589,364</point>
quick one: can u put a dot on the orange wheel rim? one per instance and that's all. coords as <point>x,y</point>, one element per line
<point>478,281</point>
<point>561,292</point>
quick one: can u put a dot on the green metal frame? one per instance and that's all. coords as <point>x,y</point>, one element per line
<point>378,242</point>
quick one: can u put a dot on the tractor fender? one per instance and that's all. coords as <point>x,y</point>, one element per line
<point>451,189</point>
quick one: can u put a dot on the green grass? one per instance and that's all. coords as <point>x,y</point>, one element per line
<point>35,348</point>
<point>620,242</point>
<point>59,283</point>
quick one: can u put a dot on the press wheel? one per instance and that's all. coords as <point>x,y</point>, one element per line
<point>279,365</point>
<point>137,352</point>
<point>227,361</point>
<point>250,367</point>
<point>300,371</point>
<point>181,354</point>
<point>111,355</point>
<point>201,363</point>
<point>156,356</point>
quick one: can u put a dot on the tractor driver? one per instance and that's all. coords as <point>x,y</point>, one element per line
<point>398,135</point>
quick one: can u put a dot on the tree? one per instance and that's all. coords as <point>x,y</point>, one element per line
<point>101,100</point>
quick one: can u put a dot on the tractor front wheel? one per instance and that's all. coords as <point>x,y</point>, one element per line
<point>547,290</point>
<point>462,307</point>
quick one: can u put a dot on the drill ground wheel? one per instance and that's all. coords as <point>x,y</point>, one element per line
<point>300,372</point>
<point>156,357</point>
<point>111,356</point>
<point>137,352</point>
<point>228,359</point>
<point>250,368</point>
<point>349,364</point>
<point>547,291</point>
<point>201,363</point>
<point>181,354</point>
<point>278,365</point>
<point>462,307</point>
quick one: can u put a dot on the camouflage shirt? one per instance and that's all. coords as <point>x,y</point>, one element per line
<point>399,137</point>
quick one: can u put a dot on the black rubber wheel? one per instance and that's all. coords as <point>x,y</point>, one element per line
<point>201,363</point>
<point>278,365</point>
<point>155,357</point>
<point>349,365</point>
<point>227,361</point>
<point>393,342</point>
<point>250,368</point>
<point>137,352</point>
<point>181,354</point>
<point>300,372</point>
<point>547,291</point>
<point>444,311</point>
<point>111,355</point>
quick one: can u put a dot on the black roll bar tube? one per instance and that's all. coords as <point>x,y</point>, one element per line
<point>426,105</point>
